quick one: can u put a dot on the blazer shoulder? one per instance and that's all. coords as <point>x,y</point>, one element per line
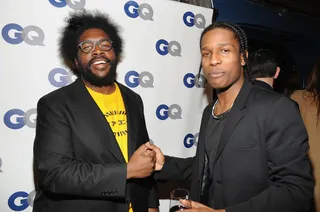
<point>267,98</point>
<point>56,95</point>
<point>264,95</point>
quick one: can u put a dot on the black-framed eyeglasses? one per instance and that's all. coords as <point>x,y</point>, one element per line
<point>88,46</point>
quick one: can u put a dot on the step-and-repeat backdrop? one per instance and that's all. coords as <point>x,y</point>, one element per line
<point>160,62</point>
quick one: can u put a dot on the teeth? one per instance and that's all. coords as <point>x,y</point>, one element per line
<point>99,62</point>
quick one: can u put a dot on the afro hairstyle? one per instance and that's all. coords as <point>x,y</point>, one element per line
<point>76,24</point>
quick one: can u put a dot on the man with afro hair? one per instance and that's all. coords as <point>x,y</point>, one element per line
<point>89,148</point>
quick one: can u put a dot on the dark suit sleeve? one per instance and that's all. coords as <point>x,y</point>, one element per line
<point>153,193</point>
<point>57,170</point>
<point>154,197</point>
<point>290,175</point>
<point>176,169</point>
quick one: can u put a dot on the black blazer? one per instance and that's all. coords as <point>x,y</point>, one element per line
<point>262,84</point>
<point>261,163</point>
<point>78,164</point>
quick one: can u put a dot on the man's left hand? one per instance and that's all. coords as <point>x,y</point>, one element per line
<point>198,207</point>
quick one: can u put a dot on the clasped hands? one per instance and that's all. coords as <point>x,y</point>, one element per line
<point>144,161</point>
<point>149,158</point>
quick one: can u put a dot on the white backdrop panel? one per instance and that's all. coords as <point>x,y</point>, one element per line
<point>27,62</point>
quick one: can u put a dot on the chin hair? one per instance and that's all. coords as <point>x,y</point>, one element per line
<point>95,80</point>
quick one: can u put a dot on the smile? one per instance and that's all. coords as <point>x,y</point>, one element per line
<point>99,62</point>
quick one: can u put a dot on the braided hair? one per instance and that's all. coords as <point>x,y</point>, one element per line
<point>240,36</point>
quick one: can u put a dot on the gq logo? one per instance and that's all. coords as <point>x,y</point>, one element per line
<point>190,80</point>
<point>191,20</point>
<point>15,34</point>
<point>16,118</point>
<point>190,140</point>
<point>134,10</point>
<point>164,47</point>
<point>73,4</point>
<point>59,77</point>
<point>174,112</point>
<point>21,200</point>
<point>134,79</point>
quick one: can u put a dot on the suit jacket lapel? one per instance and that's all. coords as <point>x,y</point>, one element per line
<point>234,117</point>
<point>201,142</point>
<point>131,120</point>
<point>86,108</point>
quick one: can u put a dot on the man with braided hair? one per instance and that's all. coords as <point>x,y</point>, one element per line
<point>252,149</point>
<point>89,149</point>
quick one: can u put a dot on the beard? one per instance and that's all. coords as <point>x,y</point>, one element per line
<point>87,74</point>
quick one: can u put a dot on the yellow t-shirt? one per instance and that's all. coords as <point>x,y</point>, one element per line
<point>114,111</point>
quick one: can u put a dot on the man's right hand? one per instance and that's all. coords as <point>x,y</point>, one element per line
<point>141,163</point>
<point>159,155</point>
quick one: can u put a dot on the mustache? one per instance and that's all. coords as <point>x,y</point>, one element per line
<point>107,60</point>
